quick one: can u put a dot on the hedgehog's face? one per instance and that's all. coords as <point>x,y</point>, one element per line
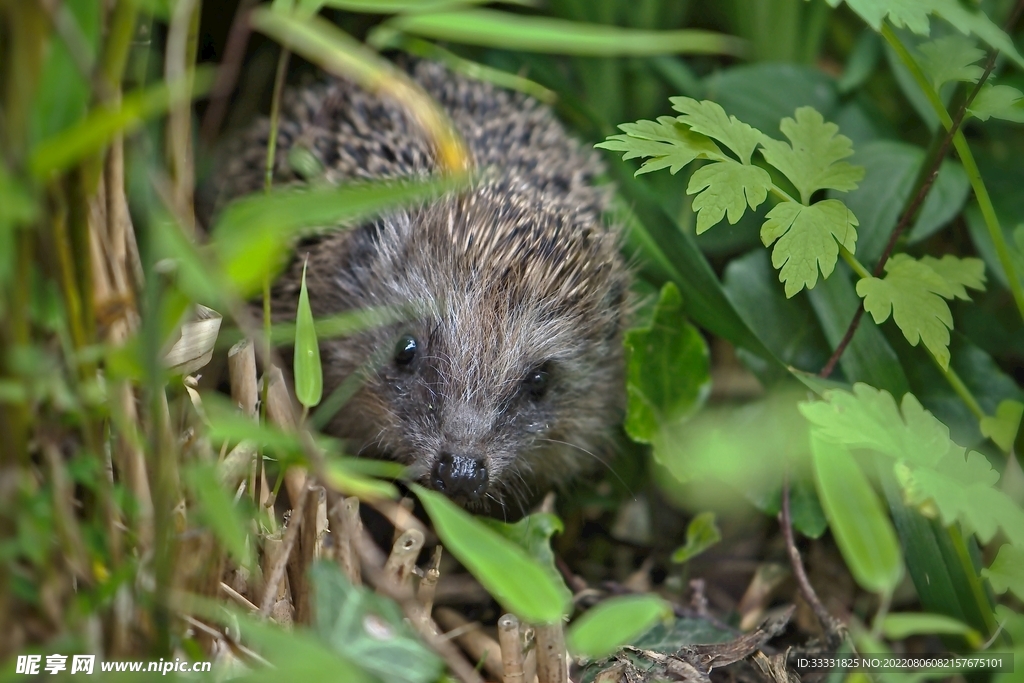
<point>489,395</point>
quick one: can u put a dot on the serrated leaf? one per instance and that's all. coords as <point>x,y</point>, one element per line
<point>701,534</point>
<point>606,627</point>
<point>861,527</point>
<point>1002,428</point>
<point>812,160</point>
<point>516,580</point>
<point>903,624</point>
<point>309,376</point>
<point>869,418</point>
<point>1007,571</point>
<point>951,58</point>
<point>726,186</point>
<point>914,14</point>
<point>998,101</point>
<point>668,372</point>
<point>708,118</point>
<point>937,476</point>
<point>370,629</point>
<point>807,240</point>
<point>670,144</point>
<point>913,291</point>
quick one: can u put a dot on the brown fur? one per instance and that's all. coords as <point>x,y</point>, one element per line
<point>517,273</point>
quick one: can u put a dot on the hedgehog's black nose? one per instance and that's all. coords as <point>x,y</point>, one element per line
<point>459,476</point>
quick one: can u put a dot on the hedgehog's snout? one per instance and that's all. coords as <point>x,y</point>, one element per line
<point>460,477</point>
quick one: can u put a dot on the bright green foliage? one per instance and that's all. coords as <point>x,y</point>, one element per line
<point>508,573</point>
<point>913,291</point>
<point>219,512</point>
<point>914,14</point>
<point>1002,428</point>
<point>726,186</point>
<point>861,527</point>
<point>813,159</point>
<point>309,376</point>
<point>533,534</point>
<point>615,622</point>
<point>1007,571</point>
<point>903,624</point>
<point>951,59</point>
<point>808,238</point>
<point>998,101</point>
<point>670,144</point>
<point>708,118</point>
<point>937,475</point>
<point>701,534</point>
<point>668,371</point>
<point>370,629</point>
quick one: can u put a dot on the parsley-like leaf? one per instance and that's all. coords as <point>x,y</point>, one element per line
<point>998,101</point>
<point>668,143</point>
<point>708,118</point>
<point>938,476</point>
<point>726,186</point>
<point>1007,571</point>
<point>808,239</point>
<point>914,14</point>
<point>812,162</point>
<point>913,292</point>
<point>1002,428</point>
<point>951,59</point>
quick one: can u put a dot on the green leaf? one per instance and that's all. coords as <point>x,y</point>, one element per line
<point>913,290</point>
<point>219,512</point>
<point>309,376</point>
<point>615,622</point>
<point>809,238</point>
<point>813,160</point>
<point>701,534</point>
<point>1002,428</point>
<point>100,125</point>
<point>398,6</point>
<point>670,144</point>
<point>252,235</point>
<point>516,580</point>
<point>904,624</point>
<point>914,15</point>
<point>961,488</point>
<point>708,118</point>
<point>343,474</point>
<point>509,31</point>
<point>861,527</point>
<point>668,371</point>
<point>371,629</point>
<point>952,58</point>
<point>1007,571</point>
<point>936,475</point>
<point>533,534</point>
<point>726,186</point>
<point>998,101</point>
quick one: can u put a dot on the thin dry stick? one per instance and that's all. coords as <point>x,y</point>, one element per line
<point>477,644</point>
<point>922,194</point>
<point>277,570</point>
<point>552,659</point>
<point>227,74</point>
<point>398,568</point>
<point>833,628</point>
<point>428,584</point>
<point>511,643</point>
<point>347,527</point>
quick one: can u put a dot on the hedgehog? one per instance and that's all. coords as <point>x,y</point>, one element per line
<point>509,379</point>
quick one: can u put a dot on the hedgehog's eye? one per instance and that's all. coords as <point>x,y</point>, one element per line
<point>405,349</point>
<point>536,383</point>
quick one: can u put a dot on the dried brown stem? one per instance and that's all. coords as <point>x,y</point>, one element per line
<point>834,629</point>
<point>511,642</point>
<point>552,658</point>
<point>478,645</point>
<point>402,560</point>
<point>277,570</point>
<point>932,164</point>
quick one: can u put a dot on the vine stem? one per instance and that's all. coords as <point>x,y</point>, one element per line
<point>953,136</point>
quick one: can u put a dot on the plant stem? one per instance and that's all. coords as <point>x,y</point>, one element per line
<point>275,115</point>
<point>960,388</point>
<point>988,211</point>
<point>852,261</point>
